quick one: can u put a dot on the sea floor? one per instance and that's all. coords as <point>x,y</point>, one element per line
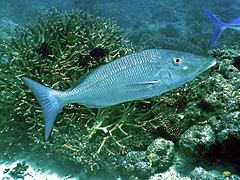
<point>30,166</point>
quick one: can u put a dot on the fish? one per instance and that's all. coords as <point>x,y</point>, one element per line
<point>136,76</point>
<point>220,26</point>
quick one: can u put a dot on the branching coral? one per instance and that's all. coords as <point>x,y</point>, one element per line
<point>56,51</point>
<point>43,51</point>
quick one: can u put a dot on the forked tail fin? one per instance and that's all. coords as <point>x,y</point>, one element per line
<point>49,102</point>
<point>218,25</point>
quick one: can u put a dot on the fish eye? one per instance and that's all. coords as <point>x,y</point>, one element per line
<point>177,61</point>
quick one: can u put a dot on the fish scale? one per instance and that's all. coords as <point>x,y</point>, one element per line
<point>137,68</point>
<point>139,75</point>
<point>129,73</point>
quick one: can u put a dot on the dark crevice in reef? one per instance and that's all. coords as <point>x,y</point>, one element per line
<point>237,63</point>
<point>225,153</point>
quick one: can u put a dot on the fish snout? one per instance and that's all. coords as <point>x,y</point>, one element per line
<point>206,65</point>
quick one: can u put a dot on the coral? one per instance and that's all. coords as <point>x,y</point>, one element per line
<point>171,173</point>
<point>200,173</point>
<point>214,94</point>
<point>227,130</point>
<point>197,140</point>
<point>227,127</point>
<point>56,50</point>
<point>44,52</point>
<point>132,158</point>
<point>160,153</point>
<point>216,112</point>
<point>157,158</point>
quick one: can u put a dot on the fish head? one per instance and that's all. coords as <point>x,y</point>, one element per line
<point>181,67</point>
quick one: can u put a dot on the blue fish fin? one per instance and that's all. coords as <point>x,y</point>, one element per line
<point>47,98</point>
<point>236,28</point>
<point>145,85</point>
<point>149,83</point>
<point>219,26</point>
<point>216,34</point>
<point>236,20</point>
<point>235,24</point>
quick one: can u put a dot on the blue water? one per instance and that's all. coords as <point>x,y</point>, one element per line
<point>147,23</point>
<point>169,24</point>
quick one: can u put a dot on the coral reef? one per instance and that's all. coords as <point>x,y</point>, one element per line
<point>158,157</point>
<point>160,153</point>
<point>171,173</point>
<point>203,118</point>
<point>200,173</point>
<point>197,140</point>
<point>220,109</point>
<point>44,52</point>
<point>60,47</point>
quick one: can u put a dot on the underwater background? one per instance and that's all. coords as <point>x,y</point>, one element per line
<point>192,132</point>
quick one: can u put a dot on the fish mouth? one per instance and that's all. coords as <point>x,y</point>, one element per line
<point>206,66</point>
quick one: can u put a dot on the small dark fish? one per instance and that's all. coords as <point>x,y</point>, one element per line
<point>45,50</point>
<point>98,52</point>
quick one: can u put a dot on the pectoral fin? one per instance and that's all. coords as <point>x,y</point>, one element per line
<point>145,84</point>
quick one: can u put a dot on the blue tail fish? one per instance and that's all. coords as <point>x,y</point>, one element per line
<point>136,76</point>
<point>220,26</point>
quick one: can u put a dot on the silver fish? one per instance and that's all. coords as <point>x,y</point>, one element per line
<point>136,76</point>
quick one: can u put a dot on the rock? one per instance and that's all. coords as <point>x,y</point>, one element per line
<point>157,158</point>
<point>197,140</point>
<point>227,130</point>
<point>160,153</point>
<point>133,158</point>
<point>170,174</point>
<point>136,162</point>
<point>227,126</point>
<point>200,173</point>
<point>143,168</point>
